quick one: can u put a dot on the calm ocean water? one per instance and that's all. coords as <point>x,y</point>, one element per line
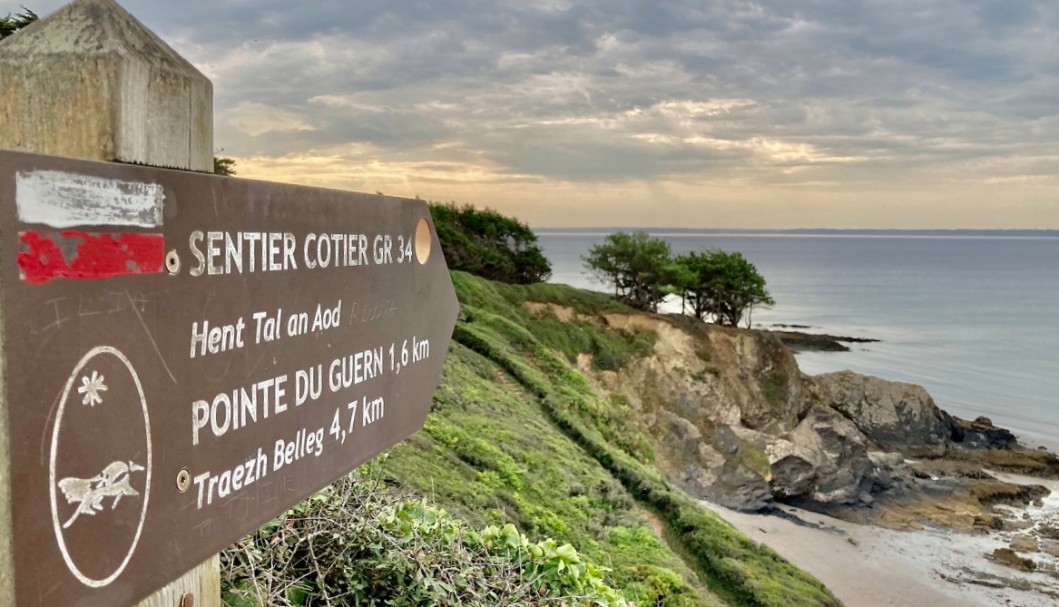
<point>974,319</point>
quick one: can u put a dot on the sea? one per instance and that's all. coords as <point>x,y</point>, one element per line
<point>973,316</point>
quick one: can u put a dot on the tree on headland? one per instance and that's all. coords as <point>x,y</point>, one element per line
<point>11,25</point>
<point>639,266</point>
<point>488,244</point>
<point>716,285</point>
<point>722,285</point>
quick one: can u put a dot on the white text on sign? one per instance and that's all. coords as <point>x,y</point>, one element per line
<point>220,253</point>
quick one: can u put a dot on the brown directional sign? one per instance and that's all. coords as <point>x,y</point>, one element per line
<point>185,356</point>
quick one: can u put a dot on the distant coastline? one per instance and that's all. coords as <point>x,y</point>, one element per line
<point>803,232</point>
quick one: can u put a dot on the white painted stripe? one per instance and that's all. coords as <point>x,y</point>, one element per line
<point>67,200</point>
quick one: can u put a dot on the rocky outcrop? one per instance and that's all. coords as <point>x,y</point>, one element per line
<point>1008,558</point>
<point>891,414</point>
<point>709,467</point>
<point>891,475</point>
<point>817,342</point>
<point>824,461</point>
<point>760,375</point>
<point>733,420</point>
<point>982,434</point>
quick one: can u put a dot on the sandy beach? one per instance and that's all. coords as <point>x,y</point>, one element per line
<point>867,566</point>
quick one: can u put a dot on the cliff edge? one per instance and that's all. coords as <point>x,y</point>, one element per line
<point>572,416</point>
<point>734,421</point>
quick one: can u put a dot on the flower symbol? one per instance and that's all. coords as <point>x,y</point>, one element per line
<point>91,389</point>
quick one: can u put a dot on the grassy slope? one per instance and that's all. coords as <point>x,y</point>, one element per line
<point>518,436</point>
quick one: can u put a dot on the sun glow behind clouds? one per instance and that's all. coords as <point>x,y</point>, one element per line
<point>767,113</point>
<point>256,119</point>
<point>358,167</point>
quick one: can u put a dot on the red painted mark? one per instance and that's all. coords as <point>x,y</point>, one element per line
<point>95,255</point>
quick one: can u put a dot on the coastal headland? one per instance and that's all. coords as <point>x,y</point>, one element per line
<point>700,466</point>
<point>726,416</point>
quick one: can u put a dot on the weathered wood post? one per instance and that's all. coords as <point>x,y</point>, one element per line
<point>90,81</point>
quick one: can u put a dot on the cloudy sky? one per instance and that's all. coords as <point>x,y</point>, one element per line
<point>726,113</point>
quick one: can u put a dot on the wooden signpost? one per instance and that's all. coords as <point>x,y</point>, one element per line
<point>185,356</point>
<point>189,355</point>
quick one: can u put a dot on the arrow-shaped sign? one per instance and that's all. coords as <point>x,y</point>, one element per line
<point>186,356</point>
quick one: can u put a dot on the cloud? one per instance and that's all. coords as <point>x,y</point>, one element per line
<point>677,99</point>
<point>255,119</point>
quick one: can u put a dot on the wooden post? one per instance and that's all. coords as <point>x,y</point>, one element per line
<point>90,81</point>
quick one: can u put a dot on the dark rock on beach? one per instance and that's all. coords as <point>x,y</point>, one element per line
<point>982,434</point>
<point>1008,557</point>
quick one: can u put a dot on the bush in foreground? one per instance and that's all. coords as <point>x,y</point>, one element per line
<point>359,543</point>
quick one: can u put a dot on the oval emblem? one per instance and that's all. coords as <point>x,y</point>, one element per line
<point>100,466</point>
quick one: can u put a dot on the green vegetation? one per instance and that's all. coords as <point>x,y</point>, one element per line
<point>775,387</point>
<point>531,462</point>
<point>518,436</point>
<point>642,269</point>
<point>491,454</point>
<point>11,25</point>
<point>224,166</point>
<point>358,542</point>
<point>722,285</point>
<point>488,244</point>
<point>609,349</point>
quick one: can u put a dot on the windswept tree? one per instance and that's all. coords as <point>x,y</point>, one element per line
<point>722,285</point>
<point>639,266</point>
<point>11,25</point>
<point>488,244</point>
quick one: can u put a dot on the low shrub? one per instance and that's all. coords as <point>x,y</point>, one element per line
<point>358,542</point>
